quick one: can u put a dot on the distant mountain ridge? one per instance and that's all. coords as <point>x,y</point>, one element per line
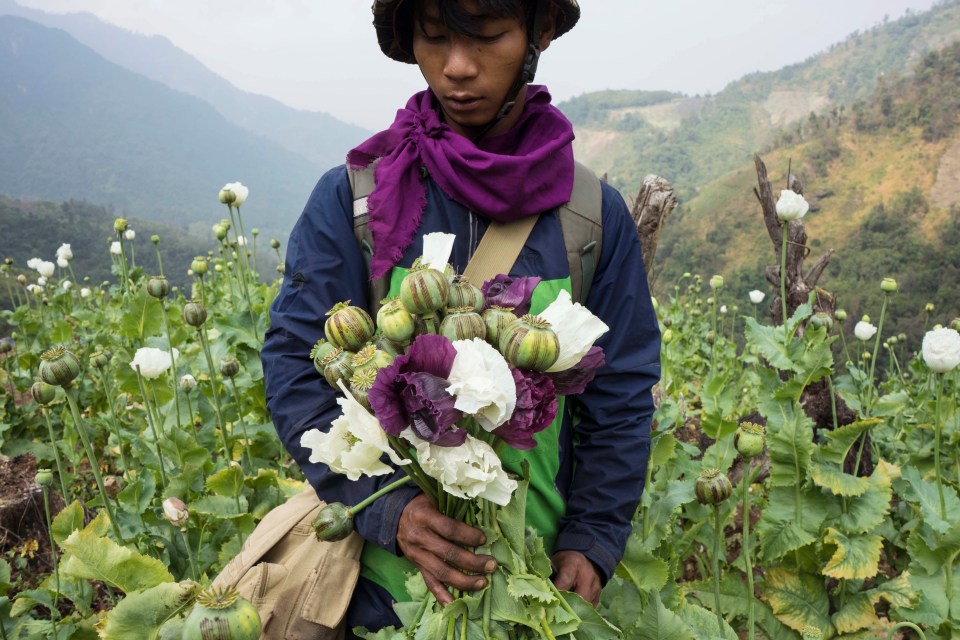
<point>79,126</point>
<point>319,137</point>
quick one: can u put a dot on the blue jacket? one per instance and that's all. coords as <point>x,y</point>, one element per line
<point>602,439</point>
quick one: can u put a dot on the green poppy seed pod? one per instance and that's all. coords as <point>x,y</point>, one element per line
<point>667,322</point>
<point>711,301</point>
<point>385,344</point>
<point>336,366</point>
<point>99,360</point>
<point>158,287</point>
<point>929,308</point>
<point>120,225</point>
<point>42,392</point>
<point>750,439</point>
<point>888,285</point>
<point>274,243</point>
<point>712,487</point>
<point>369,357</point>
<point>194,313</point>
<point>219,231</point>
<point>199,266</point>
<point>424,290</point>
<point>716,282</point>
<point>865,318</point>
<point>218,268</point>
<point>427,323</point>
<point>711,337</point>
<point>902,337</point>
<point>348,327</point>
<point>227,196</point>
<point>955,324</point>
<point>667,336</point>
<point>320,351</point>
<point>893,341</point>
<point>496,320</point>
<point>866,355</point>
<point>465,294</point>
<point>360,383</point>
<point>8,261</point>
<point>394,321</point>
<point>229,366</point>
<point>44,478</point>
<point>840,315</point>
<point>59,366</point>
<point>155,239</point>
<point>463,323</point>
<point>221,614</point>
<point>696,313</point>
<point>530,343</point>
<point>822,320</point>
<point>333,523</point>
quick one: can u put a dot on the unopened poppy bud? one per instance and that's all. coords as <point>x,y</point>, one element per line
<point>888,285</point>
<point>749,439</point>
<point>155,239</point>
<point>8,261</point>
<point>99,360</point>
<point>255,232</point>
<point>22,280</point>
<point>840,315</point>
<point>822,320</point>
<point>44,478</point>
<point>667,337</point>
<point>194,313</point>
<point>199,266</point>
<point>333,523</point>
<point>929,308</point>
<point>274,243</point>
<point>219,231</point>
<point>42,392</point>
<point>716,282</point>
<point>712,487</point>
<point>120,225</point>
<point>59,366</point>
<point>175,512</point>
<point>187,383</point>
<point>229,366</point>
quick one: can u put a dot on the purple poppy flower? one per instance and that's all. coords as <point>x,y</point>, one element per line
<point>574,380</point>
<point>536,408</point>
<point>504,291</point>
<point>412,392</point>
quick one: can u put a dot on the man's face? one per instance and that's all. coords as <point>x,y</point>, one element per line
<point>470,76</point>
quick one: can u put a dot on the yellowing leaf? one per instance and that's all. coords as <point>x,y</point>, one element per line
<point>798,601</point>
<point>855,558</point>
<point>67,521</point>
<point>99,558</point>
<point>857,614</point>
<point>897,591</point>
<point>833,479</point>
<point>841,439</point>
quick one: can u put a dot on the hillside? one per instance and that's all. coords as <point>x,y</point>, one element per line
<point>318,137</point>
<point>78,126</point>
<point>885,187</point>
<point>693,140</point>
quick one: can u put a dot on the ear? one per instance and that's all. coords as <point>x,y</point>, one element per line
<point>549,27</point>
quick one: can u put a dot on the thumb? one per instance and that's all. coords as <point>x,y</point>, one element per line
<point>564,580</point>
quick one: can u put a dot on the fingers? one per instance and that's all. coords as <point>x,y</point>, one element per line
<point>576,573</point>
<point>435,544</point>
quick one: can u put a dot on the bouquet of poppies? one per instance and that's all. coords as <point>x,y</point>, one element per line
<point>449,376</point>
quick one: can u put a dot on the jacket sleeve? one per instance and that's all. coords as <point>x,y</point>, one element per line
<point>612,439</point>
<point>323,266</point>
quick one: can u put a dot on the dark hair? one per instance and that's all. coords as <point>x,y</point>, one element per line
<point>459,20</point>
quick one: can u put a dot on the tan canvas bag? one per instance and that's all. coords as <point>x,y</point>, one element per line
<point>300,585</point>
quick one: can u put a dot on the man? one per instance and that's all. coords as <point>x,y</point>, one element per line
<point>480,144</point>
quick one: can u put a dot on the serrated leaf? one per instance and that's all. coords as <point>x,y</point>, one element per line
<point>703,623</point>
<point>67,521</point>
<point>28,599</point>
<point>137,496</point>
<point>897,591</point>
<point>140,615</point>
<point>592,625</point>
<point>932,608</point>
<point>525,585</point>
<point>786,524</point>
<point>656,622</point>
<point>856,557</point>
<point>840,440</point>
<point>927,497</point>
<point>99,558</point>
<point>856,614</point>
<point>664,510</point>
<point>790,446</point>
<point>227,482</point>
<point>734,602</point>
<point>663,448</point>
<point>833,479</point>
<point>219,506</point>
<point>769,341</point>
<point>867,511</point>
<point>798,600</point>
<point>641,567</point>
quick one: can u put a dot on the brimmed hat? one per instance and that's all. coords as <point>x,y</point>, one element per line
<point>385,14</point>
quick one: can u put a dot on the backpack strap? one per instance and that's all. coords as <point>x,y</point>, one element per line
<point>580,220</point>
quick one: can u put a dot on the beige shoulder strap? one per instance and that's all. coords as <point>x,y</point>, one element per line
<point>498,249</point>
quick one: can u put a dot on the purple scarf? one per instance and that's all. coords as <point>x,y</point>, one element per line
<point>523,172</point>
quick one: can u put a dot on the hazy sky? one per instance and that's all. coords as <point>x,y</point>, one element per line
<point>323,55</point>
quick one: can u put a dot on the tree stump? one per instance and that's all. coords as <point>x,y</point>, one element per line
<point>654,204</point>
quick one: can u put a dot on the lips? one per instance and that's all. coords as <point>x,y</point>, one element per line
<point>461,102</point>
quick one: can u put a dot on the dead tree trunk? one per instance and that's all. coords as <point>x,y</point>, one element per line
<point>654,204</point>
<point>816,397</point>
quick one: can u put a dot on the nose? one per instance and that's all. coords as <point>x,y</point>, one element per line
<point>461,61</point>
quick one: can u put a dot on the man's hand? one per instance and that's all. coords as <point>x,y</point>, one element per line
<point>435,544</point>
<point>574,572</point>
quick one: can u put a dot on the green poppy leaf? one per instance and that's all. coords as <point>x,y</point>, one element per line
<point>96,557</point>
<point>855,558</point>
<point>855,615</point>
<point>141,614</point>
<point>832,478</point>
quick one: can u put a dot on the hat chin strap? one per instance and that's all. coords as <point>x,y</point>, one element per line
<point>527,72</point>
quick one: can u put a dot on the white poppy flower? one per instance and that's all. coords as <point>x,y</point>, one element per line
<point>723,308</point>
<point>62,263</point>
<point>115,248</point>
<point>791,206</point>
<point>152,362</point>
<point>129,234</point>
<point>175,512</point>
<point>941,349</point>
<point>576,328</point>
<point>64,251</point>
<point>864,330</point>
<point>481,381</point>
<point>66,285</point>
<point>437,248</point>
<point>469,471</point>
<point>354,444</point>
<point>85,292</point>
<point>35,289</point>
<point>41,281</point>
<point>44,268</point>
<point>757,296</point>
<point>241,241</point>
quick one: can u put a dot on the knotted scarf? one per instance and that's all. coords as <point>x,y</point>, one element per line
<point>520,173</point>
